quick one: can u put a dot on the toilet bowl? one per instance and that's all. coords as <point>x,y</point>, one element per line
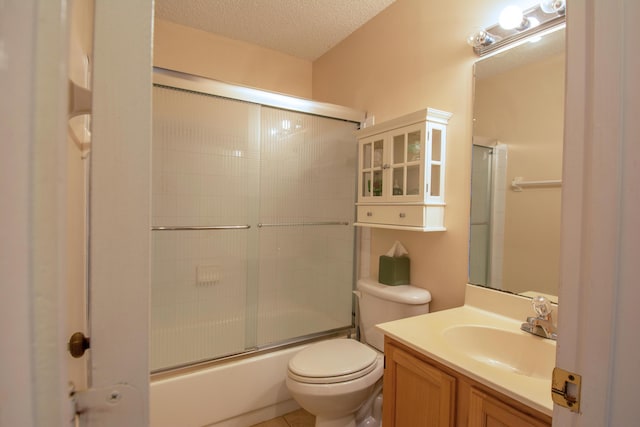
<point>339,380</point>
<point>332,379</point>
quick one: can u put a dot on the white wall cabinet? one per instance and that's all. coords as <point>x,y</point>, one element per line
<point>401,172</point>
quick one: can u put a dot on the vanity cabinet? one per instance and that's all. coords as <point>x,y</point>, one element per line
<point>401,172</point>
<point>486,410</point>
<point>415,393</point>
<point>420,392</point>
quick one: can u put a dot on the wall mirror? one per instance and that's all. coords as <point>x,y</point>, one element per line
<point>517,168</point>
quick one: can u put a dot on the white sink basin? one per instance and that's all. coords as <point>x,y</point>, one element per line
<point>513,351</point>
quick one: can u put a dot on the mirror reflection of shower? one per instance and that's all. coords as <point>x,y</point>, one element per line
<point>488,188</point>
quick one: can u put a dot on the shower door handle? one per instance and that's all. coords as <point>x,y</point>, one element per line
<point>199,228</point>
<point>303,224</point>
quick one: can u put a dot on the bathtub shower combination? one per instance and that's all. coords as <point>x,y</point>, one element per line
<point>252,210</point>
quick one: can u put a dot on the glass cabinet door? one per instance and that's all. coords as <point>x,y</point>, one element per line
<point>371,168</point>
<point>415,144</point>
<point>398,165</point>
<point>435,163</point>
<point>406,163</point>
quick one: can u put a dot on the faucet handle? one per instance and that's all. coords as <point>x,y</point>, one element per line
<point>541,306</point>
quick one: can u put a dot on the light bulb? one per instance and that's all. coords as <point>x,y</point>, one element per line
<point>511,18</point>
<point>480,38</point>
<point>553,6</point>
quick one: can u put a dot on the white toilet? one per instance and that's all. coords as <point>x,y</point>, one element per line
<point>339,380</point>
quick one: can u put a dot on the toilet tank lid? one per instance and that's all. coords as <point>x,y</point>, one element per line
<point>405,294</point>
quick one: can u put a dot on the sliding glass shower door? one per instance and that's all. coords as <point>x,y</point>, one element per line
<point>252,226</point>
<point>307,190</point>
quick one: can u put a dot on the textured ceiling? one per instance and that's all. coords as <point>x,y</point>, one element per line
<point>302,28</point>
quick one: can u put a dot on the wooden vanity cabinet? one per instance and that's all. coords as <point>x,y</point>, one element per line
<point>487,411</point>
<point>415,393</point>
<point>420,392</point>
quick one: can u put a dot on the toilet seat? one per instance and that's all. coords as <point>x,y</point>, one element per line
<point>332,361</point>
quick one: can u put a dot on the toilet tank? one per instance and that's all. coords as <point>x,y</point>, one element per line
<point>380,303</point>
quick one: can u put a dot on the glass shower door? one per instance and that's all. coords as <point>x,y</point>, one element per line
<point>253,238</point>
<point>205,178</point>
<point>307,192</point>
<point>480,249</point>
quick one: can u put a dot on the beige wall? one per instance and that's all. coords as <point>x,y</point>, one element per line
<point>524,108</point>
<point>185,49</point>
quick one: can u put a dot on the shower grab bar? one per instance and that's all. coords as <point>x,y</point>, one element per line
<point>295,224</point>
<point>212,227</point>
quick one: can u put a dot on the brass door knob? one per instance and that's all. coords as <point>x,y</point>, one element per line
<point>78,344</point>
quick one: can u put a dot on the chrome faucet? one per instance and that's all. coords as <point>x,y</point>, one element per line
<point>542,325</point>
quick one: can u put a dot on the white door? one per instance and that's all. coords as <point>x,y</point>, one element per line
<point>34,363</point>
<point>599,295</point>
<point>119,216</point>
<point>33,376</point>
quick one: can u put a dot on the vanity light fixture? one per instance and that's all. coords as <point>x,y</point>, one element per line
<point>554,6</point>
<point>516,27</point>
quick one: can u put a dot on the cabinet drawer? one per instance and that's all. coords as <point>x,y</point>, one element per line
<point>393,215</point>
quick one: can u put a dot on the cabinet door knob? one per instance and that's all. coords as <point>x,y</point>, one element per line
<point>369,213</point>
<point>386,166</point>
<point>403,215</point>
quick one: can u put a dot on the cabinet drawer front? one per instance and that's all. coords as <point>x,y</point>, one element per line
<point>393,215</point>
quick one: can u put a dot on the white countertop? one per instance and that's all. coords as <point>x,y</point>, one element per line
<point>425,335</point>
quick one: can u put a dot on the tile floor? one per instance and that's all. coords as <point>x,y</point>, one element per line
<point>299,418</point>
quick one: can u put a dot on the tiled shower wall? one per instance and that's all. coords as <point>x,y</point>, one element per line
<point>224,162</point>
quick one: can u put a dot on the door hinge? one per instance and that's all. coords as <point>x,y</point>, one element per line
<point>565,389</point>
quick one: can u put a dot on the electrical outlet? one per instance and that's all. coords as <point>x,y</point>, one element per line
<point>207,275</point>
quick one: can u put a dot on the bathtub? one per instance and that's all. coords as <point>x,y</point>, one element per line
<point>238,393</point>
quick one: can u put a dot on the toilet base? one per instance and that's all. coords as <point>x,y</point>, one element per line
<point>373,414</point>
<point>371,418</point>
<point>346,421</point>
